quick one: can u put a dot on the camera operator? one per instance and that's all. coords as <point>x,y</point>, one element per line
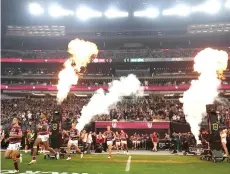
<point>167,141</point>
<point>187,142</point>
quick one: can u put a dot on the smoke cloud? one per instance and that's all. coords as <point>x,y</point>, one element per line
<point>101,101</point>
<point>210,64</point>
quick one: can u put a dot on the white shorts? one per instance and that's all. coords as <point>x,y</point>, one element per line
<point>118,143</point>
<point>134,142</point>
<point>224,142</point>
<point>15,146</point>
<point>73,142</point>
<point>44,138</point>
<point>109,143</point>
<point>123,142</point>
<point>138,142</point>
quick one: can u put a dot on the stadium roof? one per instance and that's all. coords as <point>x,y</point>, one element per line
<point>166,13</point>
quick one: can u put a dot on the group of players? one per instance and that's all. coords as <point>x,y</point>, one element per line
<point>15,138</point>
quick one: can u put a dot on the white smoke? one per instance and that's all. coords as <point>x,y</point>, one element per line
<point>101,101</point>
<point>204,90</point>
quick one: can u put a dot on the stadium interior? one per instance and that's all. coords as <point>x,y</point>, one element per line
<point>155,40</point>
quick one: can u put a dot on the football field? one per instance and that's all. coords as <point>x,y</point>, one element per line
<point>118,164</point>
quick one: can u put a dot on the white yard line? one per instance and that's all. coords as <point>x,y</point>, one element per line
<point>127,169</point>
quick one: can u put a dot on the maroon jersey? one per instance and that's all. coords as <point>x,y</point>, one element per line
<point>74,134</point>
<point>15,130</point>
<point>117,138</point>
<point>123,136</point>
<point>138,138</point>
<point>134,137</point>
<point>43,128</point>
<point>109,135</point>
<point>99,139</point>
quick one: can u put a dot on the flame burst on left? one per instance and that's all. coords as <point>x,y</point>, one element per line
<point>81,51</point>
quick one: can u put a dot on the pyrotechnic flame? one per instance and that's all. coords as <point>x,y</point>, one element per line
<point>81,52</point>
<point>210,64</point>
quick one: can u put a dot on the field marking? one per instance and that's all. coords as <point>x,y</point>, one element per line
<point>128,164</point>
<point>145,161</point>
<point>35,172</point>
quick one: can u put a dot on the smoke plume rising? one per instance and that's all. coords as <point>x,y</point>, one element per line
<point>210,64</point>
<point>101,101</point>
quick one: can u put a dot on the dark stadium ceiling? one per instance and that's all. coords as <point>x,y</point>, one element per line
<point>16,13</point>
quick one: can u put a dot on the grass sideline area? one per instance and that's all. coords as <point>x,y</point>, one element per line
<point>100,164</point>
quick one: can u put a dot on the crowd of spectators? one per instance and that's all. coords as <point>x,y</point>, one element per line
<point>136,109</point>
<point>98,82</point>
<point>114,54</point>
<point>52,71</point>
<point>96,71</point>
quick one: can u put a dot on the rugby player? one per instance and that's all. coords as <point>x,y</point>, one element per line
<point>134,140</point>
<point>117,141</point>
<point>74,136</point>
<point>43,139</point>
<point>15,138</point>
<point>109,135</point>
<point>124,145</point>
<point>27,136</point>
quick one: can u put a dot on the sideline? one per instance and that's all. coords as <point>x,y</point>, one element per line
<point>127,169</point>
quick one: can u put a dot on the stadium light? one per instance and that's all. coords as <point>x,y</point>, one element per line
<point>180,10</point>
<point>227,4</point>
<point>209,7</point>
<point>57,11</point>
<point>149,13</point>
<point>84,13</point>
<point>113,13</point>
<point>36,9</point>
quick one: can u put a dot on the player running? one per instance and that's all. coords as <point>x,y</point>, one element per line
<point>42,138</point>
<point>117,141</point>
<point>15,138</point>
<point>109,135</point>
<point>134,140</point>
<point>74,136</point>
<point>124,145</point>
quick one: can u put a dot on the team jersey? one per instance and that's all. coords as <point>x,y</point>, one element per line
<point>134,138</point>
<point>15,130</point>
<point>109,135</point>
<point>99,139</point>
<point>123,136</point>
<point>43,128</point>
<point>74,134</point>
<point>117,138</point>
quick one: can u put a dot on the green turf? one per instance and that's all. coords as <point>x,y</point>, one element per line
<point>140,164</point>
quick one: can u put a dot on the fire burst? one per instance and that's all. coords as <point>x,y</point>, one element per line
<point>81,51</point>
